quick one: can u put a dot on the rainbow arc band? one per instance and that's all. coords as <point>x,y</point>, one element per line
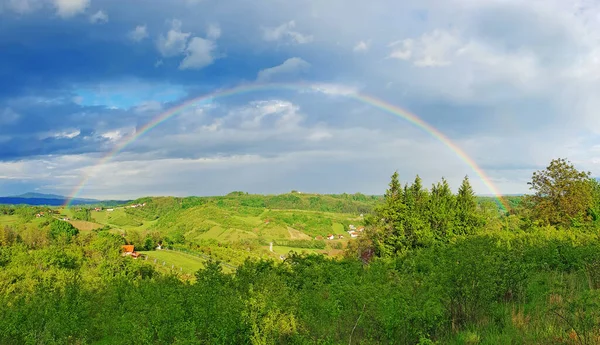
<point>300,87</point>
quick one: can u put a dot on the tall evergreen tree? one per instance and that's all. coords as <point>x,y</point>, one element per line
<point>466,208</point>
<point>442,210</point>
<point>389,236</point>
<point>416,224</point>
<point>394,192</point>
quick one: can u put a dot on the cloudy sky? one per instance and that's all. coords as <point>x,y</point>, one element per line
<point>513,84</point>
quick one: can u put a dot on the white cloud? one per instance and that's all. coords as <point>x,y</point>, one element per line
<point>361,46</point>
<point>213,32</point>
<point>403,53</point>
<point>70,8</point>
<point>99,17</point>
<point>67,134</point>
<point>285,32</point>
<point>113,135</point>
<point>291,66</point>
<point>174,42</point>
<point>434,49</point>
<point>199,54</point>
<point>334,89</point>
<point>139,33</point>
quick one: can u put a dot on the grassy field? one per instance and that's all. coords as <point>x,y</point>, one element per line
<point>8,220</point>
<point>183,262</point>
<point>82,225</point>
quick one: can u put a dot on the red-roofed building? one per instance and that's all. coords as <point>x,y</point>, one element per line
<point>128,249</point>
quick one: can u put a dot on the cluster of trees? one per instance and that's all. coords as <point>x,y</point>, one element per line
<point>51,231</point>
<point>412,216</point>
<point>83,214</point>
<point>345,203</point>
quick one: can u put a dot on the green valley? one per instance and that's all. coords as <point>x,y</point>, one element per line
<point>414,266</point>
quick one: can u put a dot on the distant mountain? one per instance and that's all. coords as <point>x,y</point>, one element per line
<point>32,195</point>
<point>38,199</point>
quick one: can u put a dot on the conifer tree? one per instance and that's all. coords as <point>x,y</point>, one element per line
<point>442,210</point>
<point>389,237</point>
<point>466,208</point>
<point>416,223</point>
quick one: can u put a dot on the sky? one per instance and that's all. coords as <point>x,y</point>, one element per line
<point>511,84</point>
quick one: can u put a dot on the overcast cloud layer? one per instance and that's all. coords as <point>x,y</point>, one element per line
<point>512,83</point>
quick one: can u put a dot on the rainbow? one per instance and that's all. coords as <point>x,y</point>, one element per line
<point>321,88</point>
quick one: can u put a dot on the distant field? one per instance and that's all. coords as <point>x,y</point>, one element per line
<point>188,263</point>
<point>82,225</point>
<point>8,220</point>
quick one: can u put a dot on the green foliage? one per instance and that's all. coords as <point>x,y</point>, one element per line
<point>61,230</point>
<point>563,194</point>
<point>83,214</point>
<point>8,236</point>
<point>413,217</point>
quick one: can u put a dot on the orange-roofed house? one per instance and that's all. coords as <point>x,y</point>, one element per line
<point>128,249</point>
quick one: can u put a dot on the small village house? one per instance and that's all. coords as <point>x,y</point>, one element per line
<point>128,249</point>
<point>330,237</point>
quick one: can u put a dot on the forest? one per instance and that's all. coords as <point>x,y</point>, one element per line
<point>432,267</point>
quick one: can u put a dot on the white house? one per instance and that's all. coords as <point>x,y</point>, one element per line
<point>330,237</point>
